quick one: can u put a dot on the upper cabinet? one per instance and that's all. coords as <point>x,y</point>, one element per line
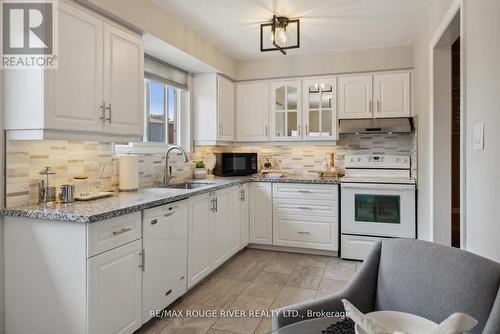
<point>355,96</point>
<point>96,91</point>
<point>286,111</point>
<point>252,111</point>
<point>391,95</point>
<point>381,95</point>
<point>320,109</point>
<point>214,109</point>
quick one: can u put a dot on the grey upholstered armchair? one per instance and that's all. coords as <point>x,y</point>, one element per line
<point>422,278</point>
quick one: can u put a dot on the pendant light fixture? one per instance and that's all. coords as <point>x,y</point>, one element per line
<point>282,33</point>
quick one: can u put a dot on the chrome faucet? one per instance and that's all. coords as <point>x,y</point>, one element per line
<point>167,175</point>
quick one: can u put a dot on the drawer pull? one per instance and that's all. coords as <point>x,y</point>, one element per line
<point>168,214</point>
<point>168,292</point>
<point>123,230</point>
<point>305,233</point>
<point>304,191</point>
<point>154,221</point>
<point>304,208</point>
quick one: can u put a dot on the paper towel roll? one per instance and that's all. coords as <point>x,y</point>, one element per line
<point>129,172</point>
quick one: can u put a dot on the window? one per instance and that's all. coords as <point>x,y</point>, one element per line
<point>161,112</point>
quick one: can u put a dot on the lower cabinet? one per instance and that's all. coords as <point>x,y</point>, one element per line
<point>114,290</point>
<point>221,227</point>
<point>244,215</point>
<point>261,213</point>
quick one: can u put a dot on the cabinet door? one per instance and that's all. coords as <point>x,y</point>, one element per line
<point>222,229</point>
<point>261,213</point>
<point>123,82</point>
<point>235,219</point>
<point>200,234</point>
<point>320,109</point>
<point>355,97</point>
<point>252,112</point>
<point>226,112</point>
<point>165,247</point>
<point>244,216</point>
<point>75,89</point>
<point>392,95</point>
<point>114,290</point>
<point>286,111</point>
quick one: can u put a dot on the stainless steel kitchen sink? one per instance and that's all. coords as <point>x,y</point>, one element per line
<point>188,185</point>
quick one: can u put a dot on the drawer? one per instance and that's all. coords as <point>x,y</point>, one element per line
<point>322,208</point>
<point>309,191</point>
<point>356,247</point>
<point>112,233</point>
<point>304,232</point>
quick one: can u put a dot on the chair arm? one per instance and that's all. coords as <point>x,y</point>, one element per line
<point>360,291</point>
<point>493,324</point>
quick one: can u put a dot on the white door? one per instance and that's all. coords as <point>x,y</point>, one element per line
<point>261,213</point>
<point>392,95</point>
<point>165,252</point>
<point>123,82</point>
<point>114,290</point>
<point>244,216</point>
<point>355,97</point>
<point>225,100</point>
<point>382,210</point>
<point>222,229</point>
<point>200,234</point>
<point>75,89</point>
<point>285,107</point>
<point>320,109</point>
<point>235,218</point>
<point>252,112</point>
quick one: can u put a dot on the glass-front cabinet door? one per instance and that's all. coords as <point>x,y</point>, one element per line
<point>320,109</point>
<point>285,109</point>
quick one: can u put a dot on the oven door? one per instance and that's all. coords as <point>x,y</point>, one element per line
<point>378,209</point>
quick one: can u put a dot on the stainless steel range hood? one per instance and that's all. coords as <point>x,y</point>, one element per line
<point>376,125</point>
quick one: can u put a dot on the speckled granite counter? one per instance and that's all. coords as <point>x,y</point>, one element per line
<point>125,203</point>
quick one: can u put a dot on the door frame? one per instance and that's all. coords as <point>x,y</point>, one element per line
<point>456,8</point>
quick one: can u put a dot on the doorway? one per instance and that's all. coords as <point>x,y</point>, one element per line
<point>447,141</point>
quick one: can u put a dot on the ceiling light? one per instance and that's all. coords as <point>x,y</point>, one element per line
<point>284,33</point>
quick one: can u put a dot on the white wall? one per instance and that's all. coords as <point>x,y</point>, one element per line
<point>326,63</point>
<point>430,23</point>
<point>482,104</point>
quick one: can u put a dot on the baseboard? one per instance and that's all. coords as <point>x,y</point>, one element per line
<point>294,250</point>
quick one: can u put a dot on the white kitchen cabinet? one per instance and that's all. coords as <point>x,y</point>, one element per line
<point>244,215</point>
<point>286,110</point>
<point>200,233</point>
<point>320,109</point>
<point>222,229</point>
<point>95,93</point>
<point>123,82</point>
<point>355,97</point>
<point>114,290</point>
<point>252,111</point>
<point>214,109</point>
<point>165,235</point>
<point>391,95</point>
<point>261,213</point>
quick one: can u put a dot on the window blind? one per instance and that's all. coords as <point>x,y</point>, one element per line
<point>160,71</point>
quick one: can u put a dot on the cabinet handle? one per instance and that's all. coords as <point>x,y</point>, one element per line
<point>266,130</point>
<point>378,106</point>
<point>371,106</point>
<point>216,209</point>
<point>103,111</point>
<point>304,191</point>
<point>304,208</point>
<point>109,113</point>
<point>307,131</point>
<point>212,202</point>
<point>123,230</point>
<point>142,254</point>
<point>305,233</point>
<point>168,214</point>
<point>298,130</point>
<point>168,292</point>
<point>154,221</point>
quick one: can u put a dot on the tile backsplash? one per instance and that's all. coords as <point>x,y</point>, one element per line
<point>25,159</point>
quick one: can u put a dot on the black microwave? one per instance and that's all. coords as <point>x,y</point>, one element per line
<point>235,164</point>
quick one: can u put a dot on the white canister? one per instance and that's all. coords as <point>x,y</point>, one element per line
<point>82,186</point>
<point>129,172</point>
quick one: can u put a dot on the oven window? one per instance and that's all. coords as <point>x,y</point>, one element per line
<point>377,208</point>
<point>235,164</point>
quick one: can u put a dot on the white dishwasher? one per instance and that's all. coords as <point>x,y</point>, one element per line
<point>165,256</point>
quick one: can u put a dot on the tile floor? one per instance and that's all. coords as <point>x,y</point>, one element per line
<point>254,280</point>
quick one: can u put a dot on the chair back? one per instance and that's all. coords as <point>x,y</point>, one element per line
<point>434,281</point>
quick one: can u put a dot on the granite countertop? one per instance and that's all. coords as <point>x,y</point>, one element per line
<point>125,203</point>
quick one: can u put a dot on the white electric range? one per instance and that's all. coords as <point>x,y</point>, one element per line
<point>377,201</point>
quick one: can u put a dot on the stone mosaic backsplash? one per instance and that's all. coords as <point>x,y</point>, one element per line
<point>25,159</point>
